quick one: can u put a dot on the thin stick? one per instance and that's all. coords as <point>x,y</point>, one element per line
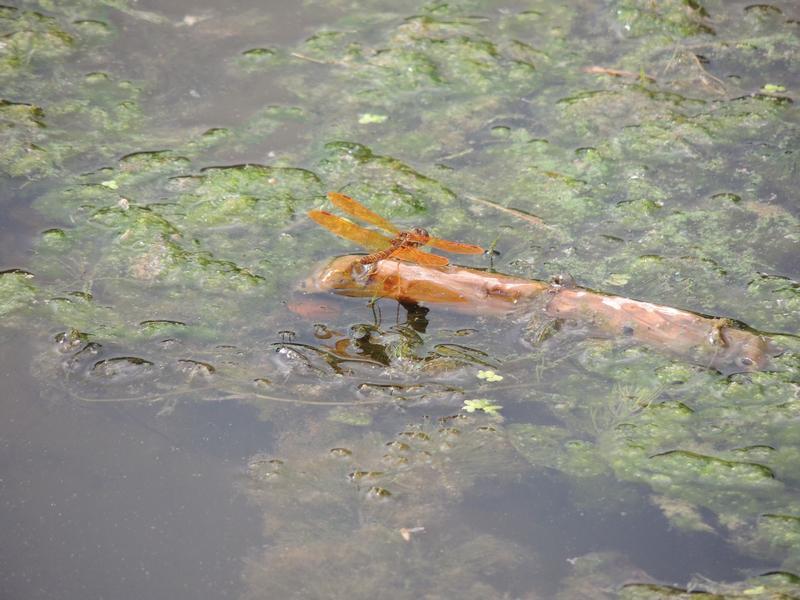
<point>598,70</point>
<point>317,60</point>
<point>706,76</point>
<point>511,211</point>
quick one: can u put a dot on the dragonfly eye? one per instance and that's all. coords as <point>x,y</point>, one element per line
<point>420,235</point>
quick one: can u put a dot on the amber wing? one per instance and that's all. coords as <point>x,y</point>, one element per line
<point>371,240</point>
<point>455,247</point>
<point>358,210</point>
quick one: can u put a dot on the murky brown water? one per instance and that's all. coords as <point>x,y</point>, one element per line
<point>114,501</point>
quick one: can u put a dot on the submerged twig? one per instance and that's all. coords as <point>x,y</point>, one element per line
<point>707,78</point>
<point>511,211</point>
<point>317,60</point>
<point>598,70</point>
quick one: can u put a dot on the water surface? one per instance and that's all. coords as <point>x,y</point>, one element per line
<point>177,422</point>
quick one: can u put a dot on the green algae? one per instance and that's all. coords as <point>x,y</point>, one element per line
<point>684,450</point>
<point>20,154</point>
<point>549,446</point>
<point>775,584</point>
<point>71,113</point>
<point>17,290</point>
<point>678,18</point>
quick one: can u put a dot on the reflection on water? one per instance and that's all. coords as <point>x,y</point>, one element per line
<point>638,542</point>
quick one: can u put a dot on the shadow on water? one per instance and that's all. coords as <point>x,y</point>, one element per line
<point>20,225</point>
<point>565,530</point>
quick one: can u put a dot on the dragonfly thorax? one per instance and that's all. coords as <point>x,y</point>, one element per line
<point>416,237</point>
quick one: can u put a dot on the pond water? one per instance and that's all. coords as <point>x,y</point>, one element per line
<point>181,420</point>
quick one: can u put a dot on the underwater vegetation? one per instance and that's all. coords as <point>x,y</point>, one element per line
<point>647,149</point>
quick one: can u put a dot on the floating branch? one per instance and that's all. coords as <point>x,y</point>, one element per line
<point>712,342</point>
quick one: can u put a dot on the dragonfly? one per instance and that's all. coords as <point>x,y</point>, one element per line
<point>403,244</point>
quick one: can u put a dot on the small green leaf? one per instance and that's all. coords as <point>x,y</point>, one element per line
<point>369,118</point>
<point>618,279</point>
<point>482,404</point>
<point>772,88</point>
<point>490,376</point>
<point>755,591</point>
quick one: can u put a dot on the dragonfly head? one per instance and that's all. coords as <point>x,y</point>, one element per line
<point>418,236</point>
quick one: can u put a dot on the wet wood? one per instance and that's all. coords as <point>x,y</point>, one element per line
<point>709,341</point>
